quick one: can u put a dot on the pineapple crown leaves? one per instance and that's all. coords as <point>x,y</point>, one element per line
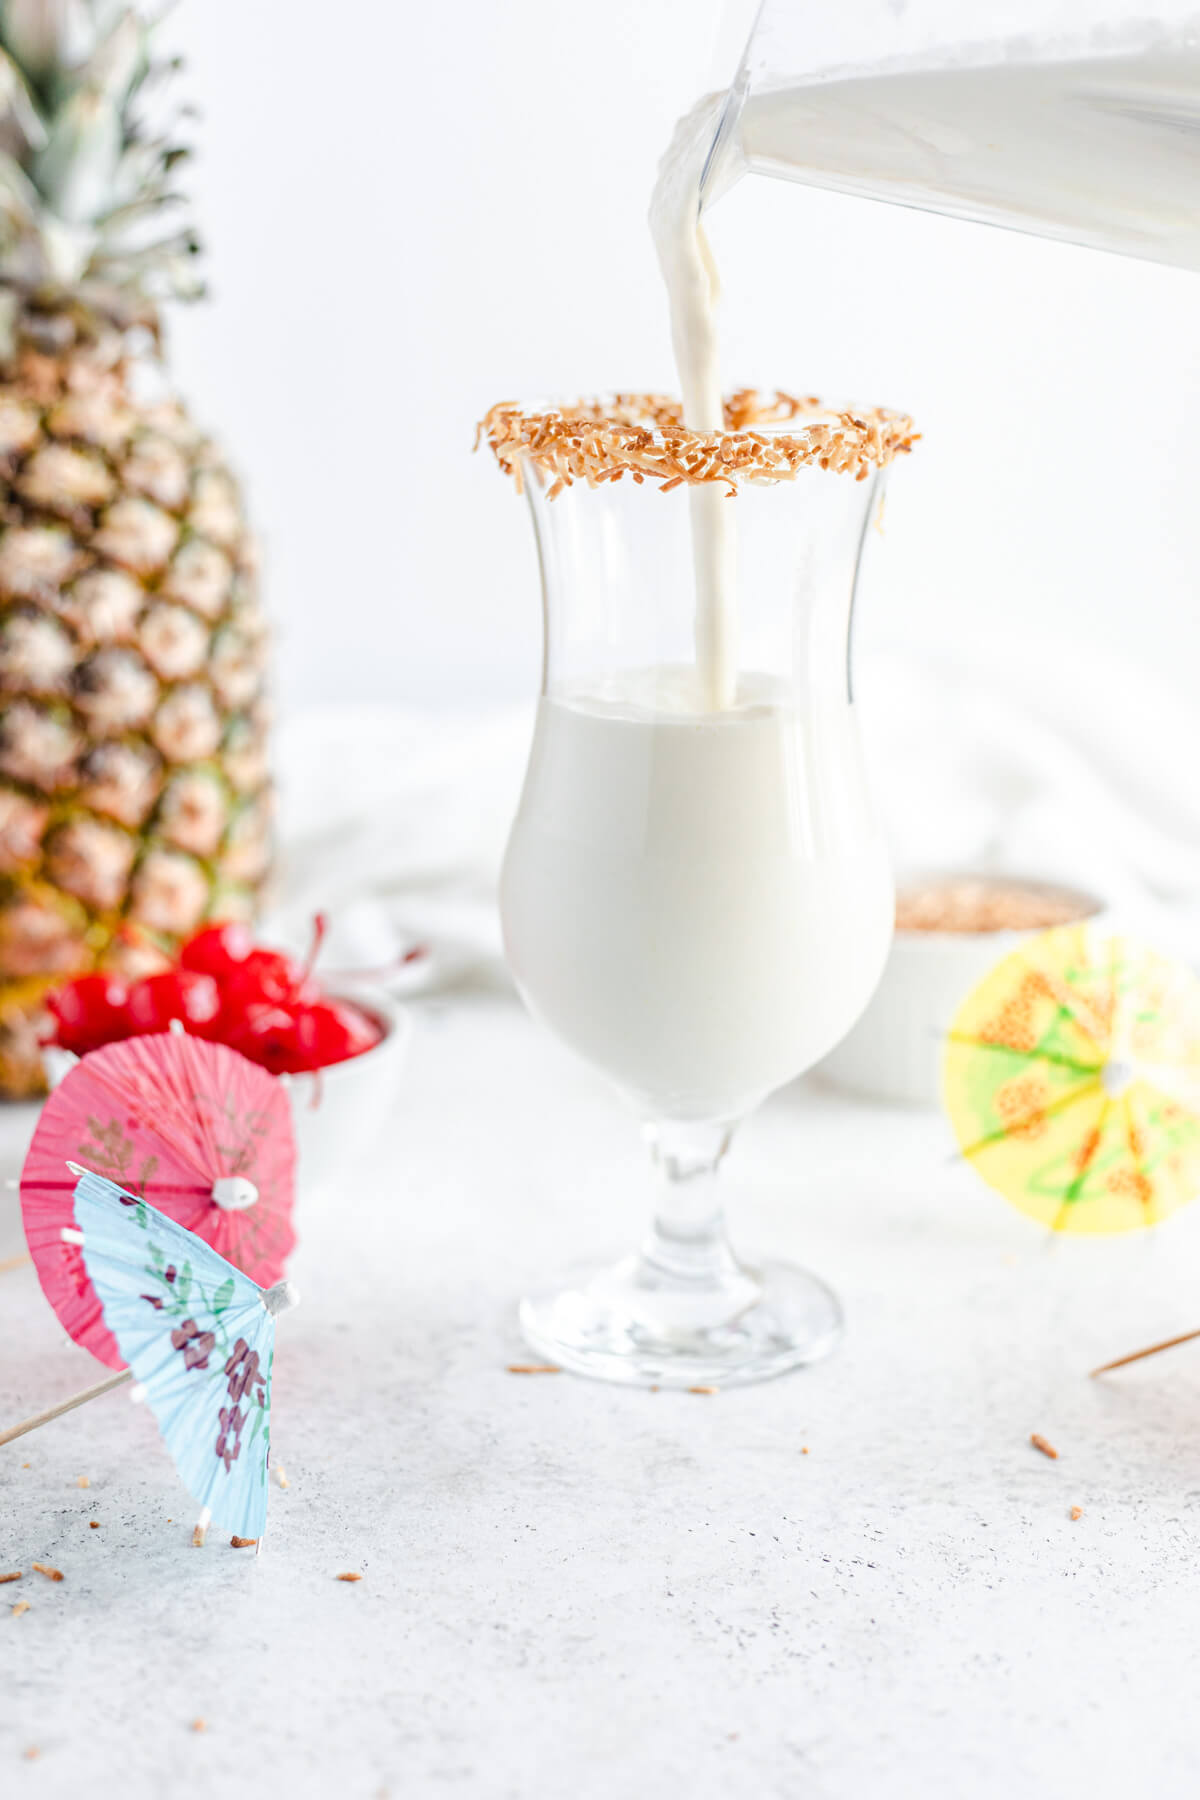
<point>89,148</point>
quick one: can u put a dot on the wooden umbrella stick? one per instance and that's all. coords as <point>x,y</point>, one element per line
<point>64,1406</point>
<point>1185,1337</point>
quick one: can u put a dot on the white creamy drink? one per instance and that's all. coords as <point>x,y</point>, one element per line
<point>696,896</point>
<point>698,903</point>
<point>693,290</point>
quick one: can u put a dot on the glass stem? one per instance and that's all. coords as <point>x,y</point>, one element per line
<point>687,1243</point>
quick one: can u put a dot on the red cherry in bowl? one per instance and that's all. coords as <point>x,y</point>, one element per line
<point>266,1035</point>
<point>268,978</point>
<point>218,949</point>
<point>332,1031</point>
<point>183,994</point>
<point>88,1012</point>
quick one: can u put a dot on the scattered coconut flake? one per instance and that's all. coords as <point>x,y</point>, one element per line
<point>1077,1512</point>
<point>82,1481</point>
<point>281,1476</point>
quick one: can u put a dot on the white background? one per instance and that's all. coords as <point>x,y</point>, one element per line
<point>415,210</point>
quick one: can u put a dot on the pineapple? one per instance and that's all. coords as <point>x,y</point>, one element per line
<point>134,801</point>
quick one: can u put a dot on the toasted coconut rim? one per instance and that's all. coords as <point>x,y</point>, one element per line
<point>643,435</point>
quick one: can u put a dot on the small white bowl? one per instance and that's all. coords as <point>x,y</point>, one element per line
<point>894,1052</point>
<point>339,1113</point>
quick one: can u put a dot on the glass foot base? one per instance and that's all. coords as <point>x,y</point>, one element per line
<point>629,1324</point>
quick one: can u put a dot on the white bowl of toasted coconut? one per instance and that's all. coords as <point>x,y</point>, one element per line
<point>951,928</point>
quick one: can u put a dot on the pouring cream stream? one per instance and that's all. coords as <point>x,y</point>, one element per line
<point>693,290</point>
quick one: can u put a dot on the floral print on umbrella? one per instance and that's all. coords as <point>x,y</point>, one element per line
<point>199,1337</point>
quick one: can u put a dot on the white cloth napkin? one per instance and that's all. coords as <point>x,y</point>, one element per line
<point>1063,765</point>
<point>393,824</point>
<point>1071,769</point>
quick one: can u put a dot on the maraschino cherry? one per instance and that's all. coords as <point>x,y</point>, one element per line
<point>218,949</point>
<point>184,994</point>
<point>88,1012</point>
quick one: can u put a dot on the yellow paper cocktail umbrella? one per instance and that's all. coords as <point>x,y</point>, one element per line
<point>1072,1081</point>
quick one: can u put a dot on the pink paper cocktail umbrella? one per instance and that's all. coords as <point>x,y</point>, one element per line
<point>192,1127</point>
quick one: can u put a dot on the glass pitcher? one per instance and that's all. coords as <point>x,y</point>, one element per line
<point>1071,119</point>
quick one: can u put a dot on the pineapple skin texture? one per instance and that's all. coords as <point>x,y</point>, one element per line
<point>134,792</point>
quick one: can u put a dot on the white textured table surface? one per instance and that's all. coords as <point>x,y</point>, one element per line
<point>575,1590</point>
